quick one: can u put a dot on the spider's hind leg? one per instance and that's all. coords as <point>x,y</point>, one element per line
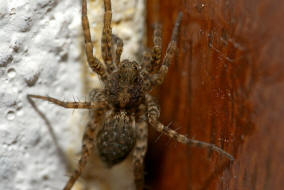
<point>87,149</point>
<point>139,153</point>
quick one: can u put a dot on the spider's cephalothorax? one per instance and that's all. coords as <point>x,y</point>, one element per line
<point>124,88</point>
<point>123,110</point>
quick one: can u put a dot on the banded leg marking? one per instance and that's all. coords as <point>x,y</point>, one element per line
<point>139,154</point>
<point>153,116</point>
<point>74,105</point>
<point>94,63</point>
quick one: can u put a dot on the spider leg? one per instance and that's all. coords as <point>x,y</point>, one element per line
<point>157,49</point>
<point>106,43</point>
<point>74,105</point>
<point>139,153</point>
<point>153,115</point>
<point>119,48</point>
<point>146,60</point>
<point>94,63</point>
<point>87,149</point>
<point>146,68</point>
<point>163,70</point>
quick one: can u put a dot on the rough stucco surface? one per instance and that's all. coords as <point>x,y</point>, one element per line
<point>41,53</point>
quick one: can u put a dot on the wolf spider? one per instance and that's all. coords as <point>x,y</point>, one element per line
<point>123,109</point>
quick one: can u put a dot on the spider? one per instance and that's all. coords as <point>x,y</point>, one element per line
<point>122,111</point>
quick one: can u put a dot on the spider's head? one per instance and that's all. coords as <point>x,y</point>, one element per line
<point>124,87</point>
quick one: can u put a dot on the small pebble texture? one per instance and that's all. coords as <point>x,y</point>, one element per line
<point>41,53</point>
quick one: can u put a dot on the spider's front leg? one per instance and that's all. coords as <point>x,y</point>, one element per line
<point>106,42</point>
<point>87,150</point>
<point>93,62</point>
<point>153,116</point>
<point>119,48</point>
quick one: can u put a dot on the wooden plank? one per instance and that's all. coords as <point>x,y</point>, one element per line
<point>225,87</point>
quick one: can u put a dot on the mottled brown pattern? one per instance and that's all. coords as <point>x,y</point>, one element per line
<point>116,139</point>
<point>139,153</point>
<point>123,109</point>
<point>157,48</point>
<point>107,37</point>
<point>119,48</point>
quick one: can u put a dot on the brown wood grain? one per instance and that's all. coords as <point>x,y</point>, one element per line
<point>225,86</point>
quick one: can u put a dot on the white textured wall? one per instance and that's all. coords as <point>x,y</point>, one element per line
<point>41,53</point>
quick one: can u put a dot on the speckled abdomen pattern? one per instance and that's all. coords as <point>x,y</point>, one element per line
<point>116,139</point>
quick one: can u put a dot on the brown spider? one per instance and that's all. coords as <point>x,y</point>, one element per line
<point>123,109</point>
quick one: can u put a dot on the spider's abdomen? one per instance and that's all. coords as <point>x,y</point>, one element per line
<point>116,139</point>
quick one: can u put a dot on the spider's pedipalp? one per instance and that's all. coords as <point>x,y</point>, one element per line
<point>94,63</point>
<point>153,116</point>
<point>87,149</point>
<point>106,41</point>
<point>163,70</point>
<point>73,105</point>
<point>119,48</point>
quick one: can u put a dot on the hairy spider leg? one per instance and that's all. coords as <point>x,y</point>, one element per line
<point>119,48</point>
<point>163,70</point>
<point>87,149</point>
<point>146,60</point>
<point>139,153</point>
<point>153,116</point>
<point>157,49</point>
<point>106,41</point>
<point>74,105</point>
<point>94,63</point>
<point>145,68</point>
